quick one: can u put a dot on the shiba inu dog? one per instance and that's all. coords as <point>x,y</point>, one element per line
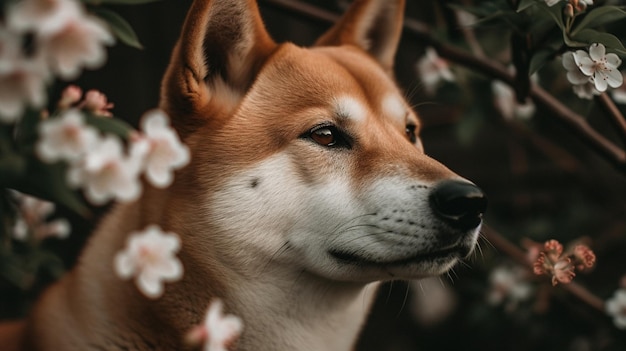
<point>308,185</point>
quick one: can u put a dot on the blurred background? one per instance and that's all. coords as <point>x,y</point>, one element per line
<point>542,181</point>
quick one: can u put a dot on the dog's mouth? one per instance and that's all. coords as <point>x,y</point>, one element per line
<point>445,255</point>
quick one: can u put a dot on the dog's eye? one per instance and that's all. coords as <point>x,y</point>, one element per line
<point>324,136</point>
<point>410,133</point>
<point>328,136</point>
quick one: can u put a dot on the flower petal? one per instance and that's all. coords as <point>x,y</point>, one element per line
<point>149,285</point>
<point>597,52</point>
<point>600,82</point>
<point>614,78</point>
<point>613,60</point>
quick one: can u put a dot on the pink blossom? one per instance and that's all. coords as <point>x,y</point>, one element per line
<point>150,257</point>
<point>96,102</point>
<point>563,271</point>
<point>65,36</point>
<point>70,97</point>
<point>585,256</point>
<point>78,44</point>
<point>219,332</point>
<point>432,70</point>
<point>32,219</point>
<point>106,173</point>
<point>162,150</point>
<point>65,137</point>
<point>22,81</point>
<point>561,266</point>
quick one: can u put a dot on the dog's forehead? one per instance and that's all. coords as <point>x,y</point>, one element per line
<point>343,79</point>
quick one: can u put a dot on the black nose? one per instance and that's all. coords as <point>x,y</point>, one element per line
<point>460,204</point>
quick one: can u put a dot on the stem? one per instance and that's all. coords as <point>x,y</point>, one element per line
<point>573,121</point>
<point>617,118</point>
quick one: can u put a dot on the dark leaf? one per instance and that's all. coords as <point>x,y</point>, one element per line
<point>120,27</point>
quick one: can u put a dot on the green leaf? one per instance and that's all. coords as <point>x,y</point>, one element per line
<point>118,2</point>
<point>610,41</point>
<point>598,17</point>
<point>556,12</point>
<point>48,181</point>
<point>539,59</point>
<point>109,125</point>
<point>524,4</point>
<point>120,27</point>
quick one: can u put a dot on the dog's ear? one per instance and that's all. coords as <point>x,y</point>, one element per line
<point>222,46</point>
<point>373,25</point>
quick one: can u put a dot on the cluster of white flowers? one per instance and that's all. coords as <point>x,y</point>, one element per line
<point>65,39</point>
<point>616,307</point>
<point>507,104</point>
<point>508,285</point>
<point>433,70</point>
<point>32,222</point>
<point>592,72</point>
<point>99,163</point>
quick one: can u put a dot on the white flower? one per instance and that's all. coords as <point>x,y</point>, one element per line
<point>506,103</point>
<point>22,81</point>
<point>616,308</point>
<point>586,91</point>
<point>508,284</point>
<point>32,216</point>
<point>433,301</point>
<point>65,137</point>
<point>600,66</point>
<point>619,95</point>
<point>106,173</point>
<point>432,70</point>
<point>150,257</point>
<point>41,15</point>
<point>66,37</point>
<point>218,332</point>
<point>162,149</point>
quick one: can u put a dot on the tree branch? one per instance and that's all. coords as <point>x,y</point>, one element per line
<point>573,121</point>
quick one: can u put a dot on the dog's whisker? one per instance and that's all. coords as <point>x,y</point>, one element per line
<point>406,297</point>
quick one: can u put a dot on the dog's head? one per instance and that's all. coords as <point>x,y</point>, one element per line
<point>311,157</point>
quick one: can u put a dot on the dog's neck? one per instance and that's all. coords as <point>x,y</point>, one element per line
<point>282,308</point>
<point>301,312</point>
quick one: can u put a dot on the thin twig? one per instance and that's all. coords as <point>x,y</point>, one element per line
<point>573,121</point>
<point>616,116</point>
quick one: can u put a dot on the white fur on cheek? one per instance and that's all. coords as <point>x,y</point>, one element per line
<point>267,206</point>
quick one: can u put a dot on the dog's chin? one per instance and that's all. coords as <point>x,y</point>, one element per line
<point>424,264</point>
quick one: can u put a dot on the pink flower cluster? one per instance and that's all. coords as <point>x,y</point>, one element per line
<point>561,266</point>
<point>65,39</point>
<point>102,165</point>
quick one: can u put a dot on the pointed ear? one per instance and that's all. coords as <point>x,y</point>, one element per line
<point>373,25</point>
<point>222,46</point>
